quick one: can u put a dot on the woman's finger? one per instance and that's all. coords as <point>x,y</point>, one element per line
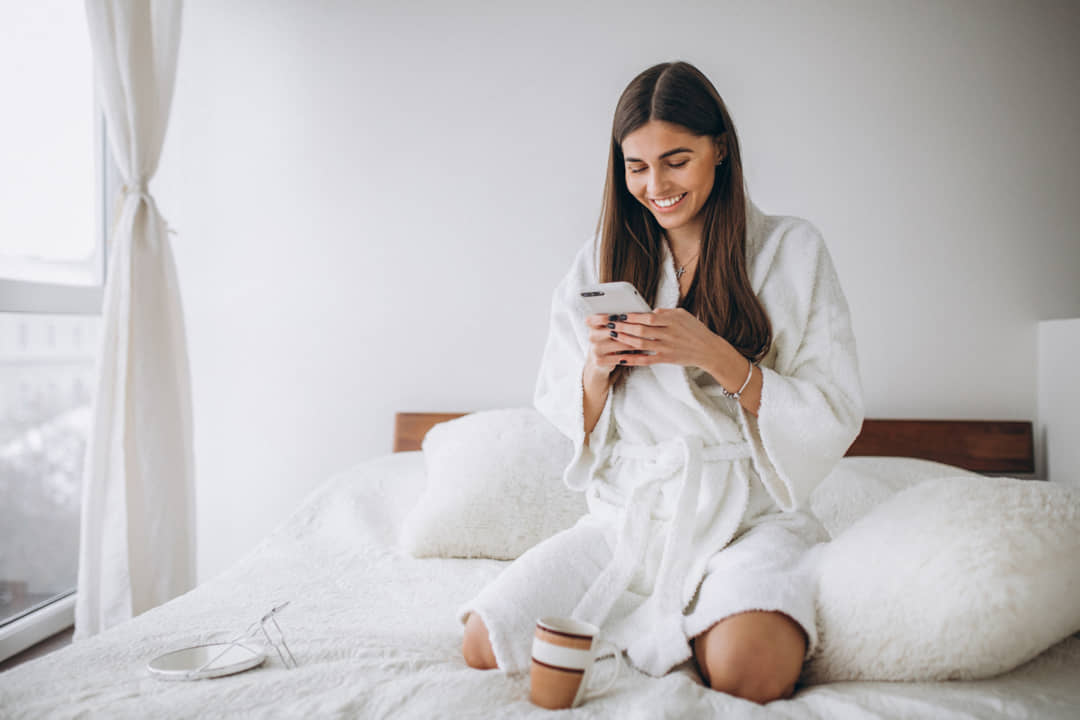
<point>617,331</point>
<point>603,336</point>
<point>650,318</point>
<point>600,320</point>
<point>644,332</point>
<point>608,352</point>
<point>635,357</point>
<point>595,321</point>
<point>635,342</point>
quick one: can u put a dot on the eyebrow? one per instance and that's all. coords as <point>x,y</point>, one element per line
<point>669,152</point>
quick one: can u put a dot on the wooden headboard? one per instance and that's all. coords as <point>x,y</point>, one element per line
<point>987,446</point>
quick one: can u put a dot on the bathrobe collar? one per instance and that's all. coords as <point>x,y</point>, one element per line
<point>674,378</point>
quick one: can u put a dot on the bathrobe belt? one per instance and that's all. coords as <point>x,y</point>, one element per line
<point>687,454</point>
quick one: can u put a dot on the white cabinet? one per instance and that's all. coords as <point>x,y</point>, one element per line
<point>1057,430</point>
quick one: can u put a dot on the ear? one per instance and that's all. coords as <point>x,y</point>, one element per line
<point>720,145</point>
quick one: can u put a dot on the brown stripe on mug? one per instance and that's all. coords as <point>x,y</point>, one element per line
<point>556,668</point>
<point>563,639</point>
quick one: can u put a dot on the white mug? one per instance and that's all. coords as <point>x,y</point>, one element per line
<point>564,653</point>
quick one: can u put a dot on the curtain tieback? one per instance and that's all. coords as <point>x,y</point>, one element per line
<point>139,188</point>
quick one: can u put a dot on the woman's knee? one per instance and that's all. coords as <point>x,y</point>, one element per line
<point>476,645</point>
<point>756,656</point>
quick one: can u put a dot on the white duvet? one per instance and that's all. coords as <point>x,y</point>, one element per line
<point>375,634</point>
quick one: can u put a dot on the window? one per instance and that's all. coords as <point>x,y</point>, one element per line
<point>54,183</point>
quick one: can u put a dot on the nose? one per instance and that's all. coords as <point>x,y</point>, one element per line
<point>658,184</point>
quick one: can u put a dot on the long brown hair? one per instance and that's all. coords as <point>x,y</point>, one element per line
<point>631,239</point>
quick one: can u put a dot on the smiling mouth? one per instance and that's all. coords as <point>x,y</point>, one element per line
<point>667,204</point>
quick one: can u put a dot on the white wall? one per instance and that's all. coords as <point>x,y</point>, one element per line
<point>374,202</point>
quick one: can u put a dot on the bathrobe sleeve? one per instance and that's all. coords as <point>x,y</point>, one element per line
<point>559,395</point>
<point>811,399</point>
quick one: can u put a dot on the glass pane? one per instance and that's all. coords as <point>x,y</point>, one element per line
<point>48,230</point>
<point>47,376</point>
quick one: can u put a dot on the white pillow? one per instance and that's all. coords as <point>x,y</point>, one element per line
<point>956,578</point>
<point>859,484</point>
<point>494,487</point>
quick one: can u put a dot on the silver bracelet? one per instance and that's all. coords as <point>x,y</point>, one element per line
<point>738,393</point>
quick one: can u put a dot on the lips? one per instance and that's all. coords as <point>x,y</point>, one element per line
<point>667,208</point>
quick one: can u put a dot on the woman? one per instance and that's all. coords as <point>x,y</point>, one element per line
<point>700,428</point>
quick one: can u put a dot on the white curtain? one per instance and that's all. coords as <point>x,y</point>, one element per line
<point>137,545</point>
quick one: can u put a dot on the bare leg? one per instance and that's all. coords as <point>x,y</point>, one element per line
<point>755,655</point>
<point>476,647</point>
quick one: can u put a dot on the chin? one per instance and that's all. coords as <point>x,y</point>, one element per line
<point>668,223</point>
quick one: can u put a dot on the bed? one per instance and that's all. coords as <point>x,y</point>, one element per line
<point>375,633</point>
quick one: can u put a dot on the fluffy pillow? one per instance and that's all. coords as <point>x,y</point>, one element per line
<point>956,578</point>
<point>494,487</point>
<point>858,484</point>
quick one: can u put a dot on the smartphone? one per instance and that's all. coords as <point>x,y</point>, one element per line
<point>613,298</point>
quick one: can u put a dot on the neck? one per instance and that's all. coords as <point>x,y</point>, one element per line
<point>684,245</point>
<point>685,241</point>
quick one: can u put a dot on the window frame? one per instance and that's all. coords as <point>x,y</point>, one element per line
<point>37,624</point>
<point>20,296</point>
<point>17,296</point>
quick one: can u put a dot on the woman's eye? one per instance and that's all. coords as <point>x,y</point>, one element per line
<point>636,170</point>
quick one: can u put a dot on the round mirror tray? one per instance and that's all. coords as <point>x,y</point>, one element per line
<point>190,663</point>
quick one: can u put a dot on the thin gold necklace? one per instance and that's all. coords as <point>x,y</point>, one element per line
<point>679,272</point>
<point>682,267</point>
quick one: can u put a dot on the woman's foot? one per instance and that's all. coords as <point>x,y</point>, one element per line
<point>476,647</point>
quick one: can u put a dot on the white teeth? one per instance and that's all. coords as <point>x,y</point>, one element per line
<point>669,202</point>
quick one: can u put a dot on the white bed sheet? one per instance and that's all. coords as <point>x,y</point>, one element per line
<point>375,635</point>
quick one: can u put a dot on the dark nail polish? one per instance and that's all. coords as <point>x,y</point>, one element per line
<point>611,325</point>
<point>623,318</point>
<point>615,317</point>
<point>614,334</point>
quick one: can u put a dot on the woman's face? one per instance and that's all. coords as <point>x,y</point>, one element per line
<point>670,171</point>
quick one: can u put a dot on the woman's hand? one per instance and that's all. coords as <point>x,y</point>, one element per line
<point>675,336</point>
<point>672,334</point>
<point>605,351</point>
<point>602,357</point>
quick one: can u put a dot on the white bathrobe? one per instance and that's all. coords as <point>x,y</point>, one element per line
<point>673,468</point>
